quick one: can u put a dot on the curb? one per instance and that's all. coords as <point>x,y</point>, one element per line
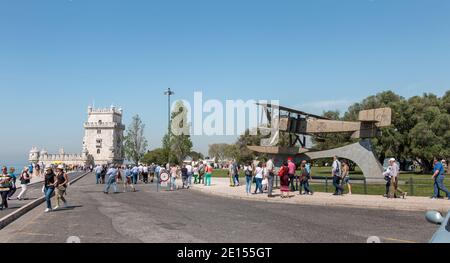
<point>8,219</point>
<point>324,204</point>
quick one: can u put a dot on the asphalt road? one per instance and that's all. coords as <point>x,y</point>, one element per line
<point>188,216</point>
<point>34,192</point>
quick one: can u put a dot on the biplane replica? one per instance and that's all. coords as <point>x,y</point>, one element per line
<point>298,125</point>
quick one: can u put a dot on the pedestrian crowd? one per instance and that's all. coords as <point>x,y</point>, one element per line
<point>293,178</point>
<point>54,182</point>
<point>128,176</point>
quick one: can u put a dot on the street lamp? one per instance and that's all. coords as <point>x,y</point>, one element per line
<point>169,93</point>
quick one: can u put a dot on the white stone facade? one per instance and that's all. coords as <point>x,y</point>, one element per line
<point>104,135</point>
<point>102,143</point>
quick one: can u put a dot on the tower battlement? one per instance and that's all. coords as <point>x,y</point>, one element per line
<point>111,110</point>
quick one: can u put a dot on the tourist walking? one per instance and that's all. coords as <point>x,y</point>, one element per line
<point>103,175</point>
<point>152,172</point>
<point>184,177</point>
<point>190,173</point>
<point>438,177</point>
<point>395,173</point>
<point>259,178</point>
<point>291,173</point>
<point>248,171</point>
<point>234,173</point>
<point>388,178</point>
<point>25,179</point>
<point>135,173</point>
<point>196,174</point>
<point>304,179</point>
<point>145,174</point>
<point>271,170</point>
<point>208,175</point>
<point>49,187</point>
<point>62,182</point>
<point>5,185</point>
<point>346,176</point>
<point>111,175</point>
<point>98,173</point>
<point>13,177</point>
<point>284,180</point>
<point>127,179</point>
<point>336,173</point>
<point>201,173</point>
<point>173,178</point>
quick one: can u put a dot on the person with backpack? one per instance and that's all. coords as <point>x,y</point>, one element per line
<point>184,177</point>
<point>235,173</point>
<point>5,185</point>
<point>201,173</point>
<point>13,189</point>
<point>208,175</point>
<point>62,182</point>
<point>152,172</point>
<point>304,179</point>
<point>25,179</point>
<point>336,173</point>
<point>112,174</point>
<point>248,171</point>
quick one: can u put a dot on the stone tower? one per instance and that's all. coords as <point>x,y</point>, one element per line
<point>103,138</point>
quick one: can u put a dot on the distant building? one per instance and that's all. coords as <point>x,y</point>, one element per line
<point>102,143</point>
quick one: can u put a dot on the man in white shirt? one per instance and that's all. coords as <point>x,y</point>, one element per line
<point>336,172</point>
<point>271,169</point>
<point>145,174</point>
<point>395,172</point>
<point>190,173</point>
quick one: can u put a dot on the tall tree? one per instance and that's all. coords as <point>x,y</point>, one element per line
<point>135,142</point>
<point>180,144</point>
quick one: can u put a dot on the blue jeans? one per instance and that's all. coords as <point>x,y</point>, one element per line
<point>189,180</point>
<point>98,176</point>
<point>135,178</point>
<point>236,179</point>
<point>337,185</point>
<point>440,186</point>
<point>259,185</point>
<point>249,181</point>
<point>305,185</point>
<point>111,181</point>
<point>48,196</point>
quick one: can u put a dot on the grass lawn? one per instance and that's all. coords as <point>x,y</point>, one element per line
<point>422,184</point>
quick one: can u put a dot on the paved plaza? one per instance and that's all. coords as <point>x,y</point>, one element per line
<point>187,216</point>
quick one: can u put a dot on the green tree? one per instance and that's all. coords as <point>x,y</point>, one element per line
<point>135,143</point>
<point>180,144</point>
<point>157,156</point>
<point>419,131</point>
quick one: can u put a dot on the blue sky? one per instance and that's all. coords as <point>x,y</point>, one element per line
<point>57,56</point>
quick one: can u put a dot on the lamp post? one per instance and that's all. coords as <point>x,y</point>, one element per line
<point>169,93</point>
